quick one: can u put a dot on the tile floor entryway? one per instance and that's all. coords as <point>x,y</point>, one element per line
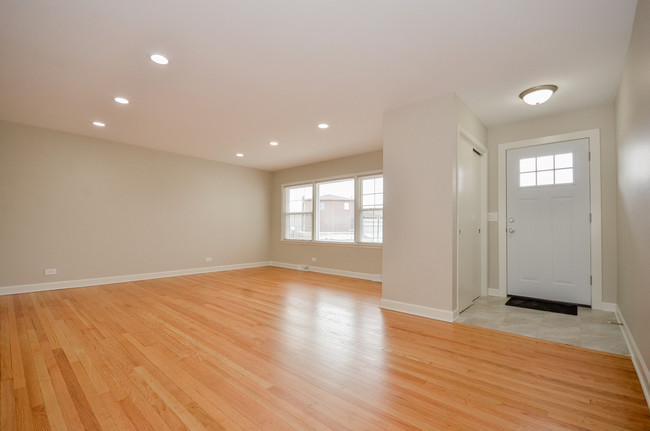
<point>590,328</point>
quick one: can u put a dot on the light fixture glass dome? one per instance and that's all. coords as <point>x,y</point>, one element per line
<point>159,59</point>
<point>538,95</point>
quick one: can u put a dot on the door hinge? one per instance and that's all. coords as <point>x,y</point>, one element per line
<point>589,217</point>
<point>590,156</point>
<point>591,280</point>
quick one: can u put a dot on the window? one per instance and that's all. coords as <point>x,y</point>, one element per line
<point>546,170</point>
<point>334,223</point>
<point>298,206</point>
<point>372,209</point>
<point>347,210</point>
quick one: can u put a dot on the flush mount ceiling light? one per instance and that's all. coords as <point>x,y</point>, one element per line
<point>239,155</point>
<point>99,124</point>
<point>274,143</point>
<point>121,100</point>
<point>538,95</point>
<point>323,126</point>
<point>159,59</point>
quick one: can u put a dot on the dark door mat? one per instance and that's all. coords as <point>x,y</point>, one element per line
<point>538,304</point>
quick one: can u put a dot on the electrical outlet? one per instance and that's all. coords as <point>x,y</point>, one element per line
<point>313,259</point>
<point>50,271</point>
<point>208,259</point>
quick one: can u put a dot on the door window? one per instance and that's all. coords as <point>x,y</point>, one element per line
<point>546,170</point>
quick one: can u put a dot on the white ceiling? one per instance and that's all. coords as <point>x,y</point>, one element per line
<point>244,72</point>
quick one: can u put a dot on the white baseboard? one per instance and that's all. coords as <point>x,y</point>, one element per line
<point>351,274</point>
<point>607,306</point>
<point>417,310</point>
<point>68,284</point>
<point>638,361</point>
<point>496,292</point>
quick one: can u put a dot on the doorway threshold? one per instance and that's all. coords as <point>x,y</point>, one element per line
<point>590,329</point>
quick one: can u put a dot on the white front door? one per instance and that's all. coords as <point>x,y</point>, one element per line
<point>548,222</point>
<point>469,225</point>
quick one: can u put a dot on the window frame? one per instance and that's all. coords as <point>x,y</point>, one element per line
<point>356,207</point>
<point>286,213</point>
<point>359,208</point>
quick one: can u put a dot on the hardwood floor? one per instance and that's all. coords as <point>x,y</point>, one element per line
<point>276,349</point>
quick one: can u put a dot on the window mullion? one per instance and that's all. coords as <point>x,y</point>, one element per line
<point>358,197</point>
<point>315,211</point>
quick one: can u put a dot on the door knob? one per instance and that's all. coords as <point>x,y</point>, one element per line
<point>511,230</point>
<point>511,219</point>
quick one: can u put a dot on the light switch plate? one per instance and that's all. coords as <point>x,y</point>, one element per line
<point>493,216</point>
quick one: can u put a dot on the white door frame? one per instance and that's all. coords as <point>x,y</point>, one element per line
<point>596,233</point>
<point>478,146</point>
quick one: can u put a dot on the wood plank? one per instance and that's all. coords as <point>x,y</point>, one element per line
<point>82,406</point>
<point>50,399</point>
<point>18,374</point>
<point>7,405</point>
<point>270,348</point>
<point>192,423</point>
<point>5,345</point>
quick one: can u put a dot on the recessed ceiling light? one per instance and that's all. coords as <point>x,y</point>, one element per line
<point>99,124</point>
<point>159,59</point>
<point>122,100</point>
<point>538,95</point>
<point>239,155</point>
<point>274,143</point>
<point>323,126</point>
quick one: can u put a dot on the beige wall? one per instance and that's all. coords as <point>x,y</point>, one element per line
<point>466,119</point>
<point>93,208</point>
<point>354,258</point>
<point>420,151</point>
<point>633,140</point>
<point>596,118</point>
<point>419,155</point>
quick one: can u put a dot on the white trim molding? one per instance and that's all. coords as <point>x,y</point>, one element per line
<point>69,284</point>
<point>330,271</point>
<point>595,188</point>
<point>608,306</point>
<point>496,292</point>
<point>417,310</point>
<point>639,363</point>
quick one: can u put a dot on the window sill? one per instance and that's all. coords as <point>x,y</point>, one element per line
<point>332,244</point>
